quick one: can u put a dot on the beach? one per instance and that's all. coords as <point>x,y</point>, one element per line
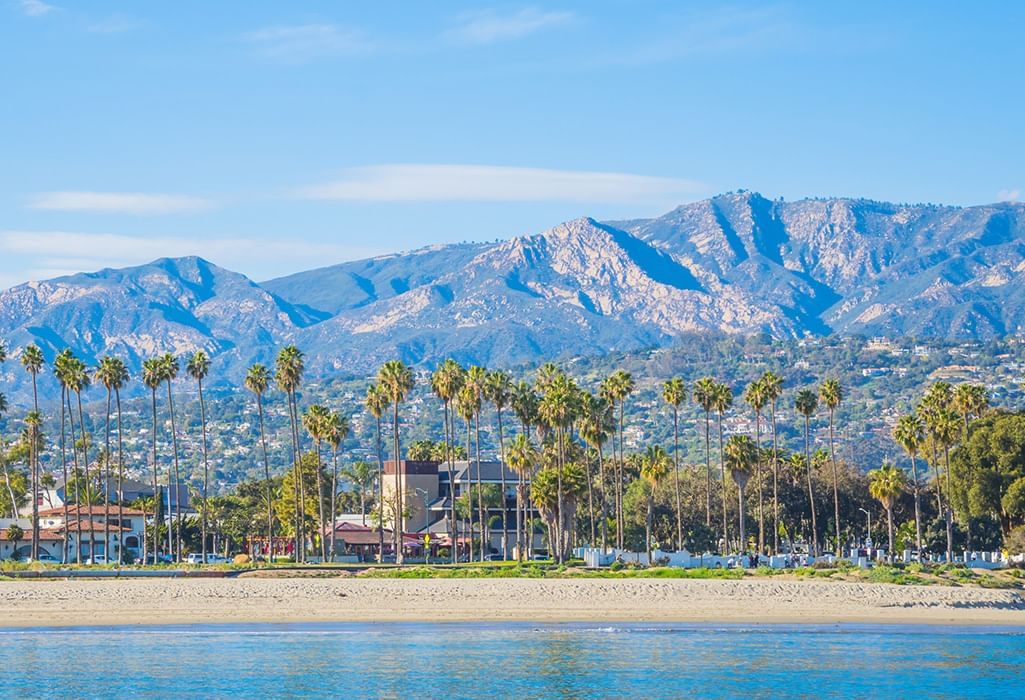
<point>43,603</point>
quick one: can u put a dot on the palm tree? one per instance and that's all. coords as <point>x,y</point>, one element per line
<point>558,409</point>
<point>169,372</point>
<point>109,372</point>
<point>396,379</point>
<point>61,372</point>
<point>289,366</point>
<point>466,406</point>
<point>315,420</point>
<point>257,380</point>
<point>78,381</point>
<point>198,366</point>
<point>33,362</point>
<point>722,400</point>
<point>152,377</point>
<point>807,403</point>
<point>909,433</point>
<point>3,461</point>
<point>772,386</point>
<point>445,383</point>
<point>617,387</point>
<point>596,422</point>
<point>376,403</point>
<point>524,405</point>
<point>337,429</point>
<point>756,398</point>
<point>674,393</point>
<point>654,470</point>
<point>704,396</point>
<point>831,394</point>
<point>970,400</point>
<point>741,460</point>
<point>885,485</point>
<point>498,389</point>
<point>475,378</point>
<point>522,458</point>
<point>945,430</point>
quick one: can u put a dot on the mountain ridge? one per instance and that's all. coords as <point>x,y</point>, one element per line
<point>734,263</point>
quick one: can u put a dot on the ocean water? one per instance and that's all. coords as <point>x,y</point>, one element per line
<point>515,660</point>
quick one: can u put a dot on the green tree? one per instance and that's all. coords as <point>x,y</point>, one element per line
<point>169,369</point>
<point>674,393</point>
<point>807,403</point>
<point>257,380</point>
<point>198,367</point>
<point>723,400</point>
<point>756,397</point>
<point>396,380</point>
<point>336,430</point>
<point>289,367</point>
<point>886,484</point>
<point>831,395</point>
<point>33,362</point>
<point>152,378</point>
<point>522,460</point>
<point>446,381</point>
<point>376,403</point>
<point>654,470</point>
<point>909,434</point>
<point>741,458</point>
<point>704,396</point>
<point>498,389</point>
<point>772,385</point>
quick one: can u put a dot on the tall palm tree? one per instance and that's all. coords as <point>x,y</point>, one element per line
<point>522,458</point>
<point>61,372</point>
<point>376,403</point>
<point>558,409</point>
<point>722,401</point>
<point>257,380</point>
<point>109,373</point>
<point>704,396</point>
<point>153,377</point>
<point>337,429</point>
<point>772,385</point>
<point>466,406</point>
<point>475,378</point>
<point>3,463</point>
<point>946,429</point>
<point>524,405</point>
<point>289,367</point>
<point>78,381</point>
<point>886,484</point>
<point>617,387</point>
<point>970,400</point>
<point>807,403</point>
<point>741,459</point>
<point>396,378</point>
<point>674,393</point>
<point>654,469</point>
<point>831,394</point>
<point>445,383</point>
<point>756,398</point>
<point>33,362</point>
<point>909,433</point>
<point>595,422</point>
<point>498,389</point>
<point>169,368</point>
<point>315,421</point>
<point>198,367</point>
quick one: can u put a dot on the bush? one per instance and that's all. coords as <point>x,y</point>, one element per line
<point>241,560</point>
<point>1015,540</point>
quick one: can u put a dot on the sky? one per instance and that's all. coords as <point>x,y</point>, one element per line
<point>272,137</point>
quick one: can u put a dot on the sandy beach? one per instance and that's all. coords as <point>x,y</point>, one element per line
<point>179,601</point>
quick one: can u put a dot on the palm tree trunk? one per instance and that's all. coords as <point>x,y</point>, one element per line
<point>400,501</point>
<point>449,438</point>
<point>106,483</point>
<point>775,483</point>
<point>758,476</point>
<point>300,480</point>
<point>558,508</point>
<point>647,523</point>
<point>121,477</point>
<point>380,495</point>
<point>266,476</point>
<point>34,458</point>
<point>918,515</point>
<point>947,512</point>
<point>836,487</point>
<point>743,515</point>
<point>604,501</point>
<point>590,499</point>
<point>78,484</point>
<point>505,509</point>
<point>10,488</point>
<point>64,468</point>
<point>811,495</point>
<point>320,505</point>
<point>469,487</point>
<point>722,472</point>
<point>676,478</point>
<point>206,464</point>
<point>620,470</point>
<point>334,499</point>
<point>708,471</point>
<point>889,527</point>
<point>177,477</point>
<point>156,489</point>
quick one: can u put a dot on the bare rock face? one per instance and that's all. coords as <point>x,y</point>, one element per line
<point>736,263</point>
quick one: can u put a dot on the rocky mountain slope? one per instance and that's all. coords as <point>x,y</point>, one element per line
<point>737,263</point>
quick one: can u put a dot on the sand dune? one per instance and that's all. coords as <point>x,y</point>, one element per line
<point>167,601</point>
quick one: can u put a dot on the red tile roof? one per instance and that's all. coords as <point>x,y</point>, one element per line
<point>89,526</point>
<point>90,510</point>
<point>27,537</point>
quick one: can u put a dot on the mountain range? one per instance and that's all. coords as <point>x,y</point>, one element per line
<point>735,263</point>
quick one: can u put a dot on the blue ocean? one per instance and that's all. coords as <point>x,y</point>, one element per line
<point>521,660</point>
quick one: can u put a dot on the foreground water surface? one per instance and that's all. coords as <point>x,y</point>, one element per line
<point>523,660</point>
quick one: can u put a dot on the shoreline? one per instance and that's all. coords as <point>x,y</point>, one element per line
<point>148,602</point>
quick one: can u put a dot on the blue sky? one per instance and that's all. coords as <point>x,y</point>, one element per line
<point>272,137</point>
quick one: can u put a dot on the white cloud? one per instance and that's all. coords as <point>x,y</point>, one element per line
<point>397,183</point>
<point>1009,195</point>
<point>36,8</point>
<point>46,254</point>
<point>306,42</point>
<point>489,26</point>
<point>118,202</point>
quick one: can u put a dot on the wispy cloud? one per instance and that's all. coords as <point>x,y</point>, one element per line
<point>490,26</point>
<point>48,254</point>
<point>118,202</point>
<point>35,8</point>
<point>426,182</point>
<point>306,42</point>
<point>1009,195</point>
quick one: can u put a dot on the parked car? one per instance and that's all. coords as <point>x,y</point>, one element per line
<point>97,559</point>
<point>47,558</point>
